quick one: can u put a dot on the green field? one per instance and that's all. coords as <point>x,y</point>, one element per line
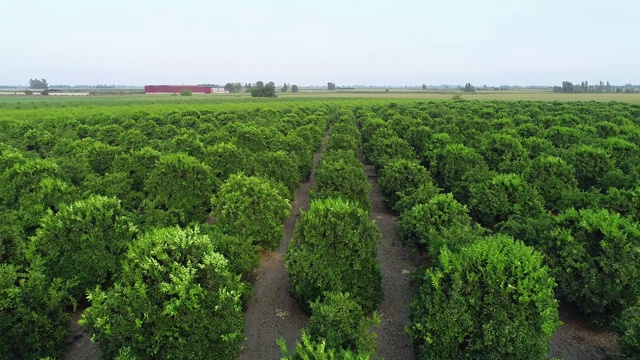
<point>35,102</point>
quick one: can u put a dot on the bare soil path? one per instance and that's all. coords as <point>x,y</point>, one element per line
<point>272,313</point>
<point>397,262</point>
<point>576,339</point>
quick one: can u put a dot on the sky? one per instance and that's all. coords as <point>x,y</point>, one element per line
<point>348,42</point>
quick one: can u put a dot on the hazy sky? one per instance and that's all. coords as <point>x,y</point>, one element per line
<point>494,42</point>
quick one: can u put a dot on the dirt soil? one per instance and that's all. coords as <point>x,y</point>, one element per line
<point>272,313</point>
<point>79,342</point>
<point>576,339</point>
<point>397,263</point>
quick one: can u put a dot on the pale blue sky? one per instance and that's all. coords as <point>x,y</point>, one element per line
<point>494,42</point>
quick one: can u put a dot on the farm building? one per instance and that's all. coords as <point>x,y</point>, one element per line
<point>174,89</point>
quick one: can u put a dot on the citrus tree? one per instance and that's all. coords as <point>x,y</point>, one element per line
<point>175,298</point>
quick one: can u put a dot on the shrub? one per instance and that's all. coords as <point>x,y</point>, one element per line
<point>341,322</point>
<point>225,159</point>
<point>340,174</point>
<point>384,148</point>
<point>399,178</point>
<point>33,318</point>
<point>420,195</point>
<point>251,208</point>
<point>23,179</point>
<point>502,152</point>
<point>496,199</point>
<point>630,339</point>
<point>243,255</point>
<point>279,166</point>
<point>441,221</point>
<point>453,162</point>
<point>593,256</point>
<point>493,300</point>
<point>12,239</point>
<point>334,249</point>
<point>307,349</point>
<point>186,92</point>
<point>591,165</point>
<point>178,188</point>
<point>554,179</point>
<point>84,242</point>
<point>175,298</point>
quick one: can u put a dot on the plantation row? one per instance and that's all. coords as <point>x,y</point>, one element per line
<point>514,204</point>
<point>158,219</point>
<point>332,263</point>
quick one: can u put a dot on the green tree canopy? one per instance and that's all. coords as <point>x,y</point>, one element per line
<point>84,242</point>
<point>492,300</point>
<point>175,298</point>
<point>252,208</point>
<point>334,248</point>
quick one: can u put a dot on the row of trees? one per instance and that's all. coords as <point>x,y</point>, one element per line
<point>455,297</point>
<point>544,174</point>
<point>39,84</point>
<point>332,259</point>
<point>115,189</point>
<point>237,87</point>
<point>585,87</point>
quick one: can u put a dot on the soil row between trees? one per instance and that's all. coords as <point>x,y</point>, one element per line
<point>272,312</point>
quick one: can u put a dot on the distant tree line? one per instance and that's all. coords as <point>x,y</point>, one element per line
<point>233,87</point>
<point>585,87</point>
<point>469,88</point>
<point>38,84</point>
<point>261,89</point>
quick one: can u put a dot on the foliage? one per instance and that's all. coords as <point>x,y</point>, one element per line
<point>172,279</point>
<point>84,242</point>
<point>630,339</point>
<point>280,167</point>
<point>178,189</point>
<point>33,318</point>
<point>308,349</point>
<point>420,195</point>
<point>503,152</point>
<point>383,149</point>
<point>186,92</point>
<point>341,322</point>
<point>591,165</point>
<point>593,256</point>
<point>334,249</point>
<point>225,159</point>
<point>12,239</point>
<point>340,174</point>
<point>441,221</point>
<point>554,179</point>
<point>262,90</point>
<point>251,208</point>
<point>243,255</point>
<point>493,300</point>
<point>453,162</point>
<point>399,178</point>
<point>497,199</point>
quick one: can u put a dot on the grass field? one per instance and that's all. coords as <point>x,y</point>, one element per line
<point>18,107</point>
<point>494,95</point>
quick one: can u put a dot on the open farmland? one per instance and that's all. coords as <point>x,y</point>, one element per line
<point>160,219</point>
